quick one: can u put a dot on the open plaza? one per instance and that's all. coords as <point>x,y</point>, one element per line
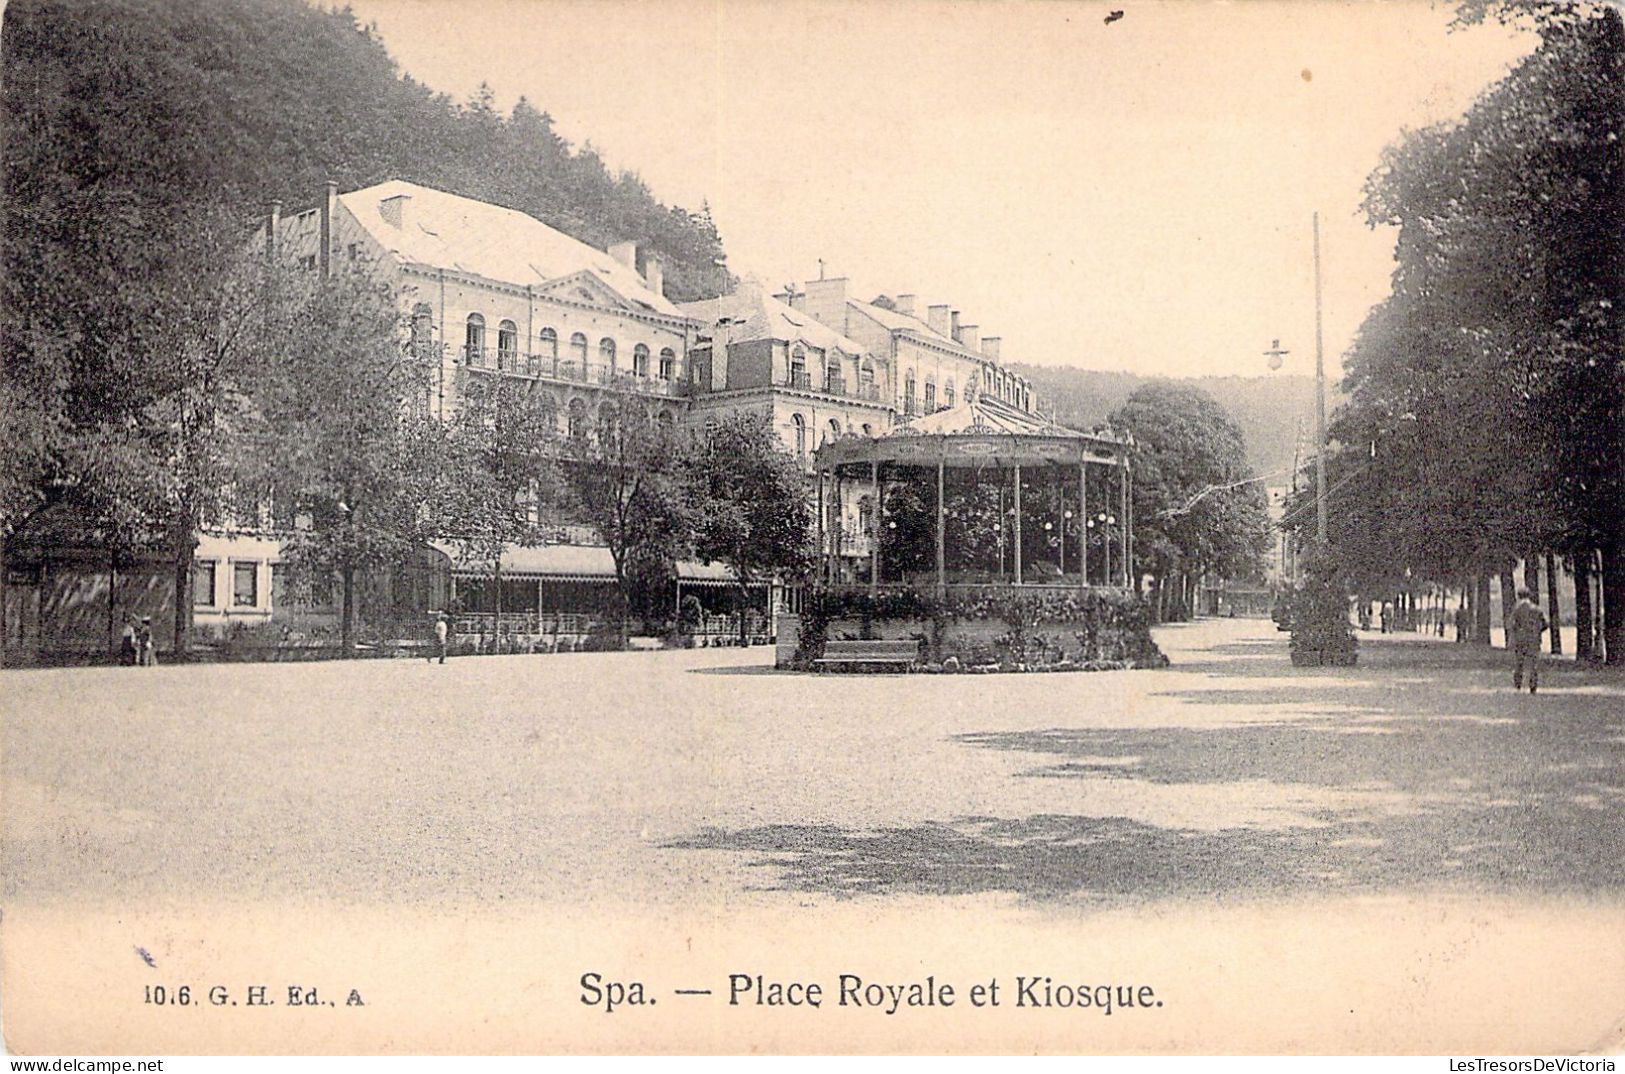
<point>707,775</point>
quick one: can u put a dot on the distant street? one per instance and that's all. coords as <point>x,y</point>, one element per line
<point>705,775</point>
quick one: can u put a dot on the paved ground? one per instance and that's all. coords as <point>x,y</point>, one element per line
<point>706,775</point>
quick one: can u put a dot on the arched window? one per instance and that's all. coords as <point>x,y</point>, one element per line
<point>908,394</point>
<point>930,396</point>
<point>798,367</point>
<point>948,393</point>
<point>548,406</point>
<point>547,345</point>
<point>800,425</point>
<point>866,381</point>
<point>606,354</point>
<point>578,354</point>
<point>577,420</point>
<point>640,360</point>
<point>474,340</point>
<point>668,363</point>
<point>507,345</point>
<point>834,430</point>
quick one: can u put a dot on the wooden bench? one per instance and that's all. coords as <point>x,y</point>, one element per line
<point>904,653</point>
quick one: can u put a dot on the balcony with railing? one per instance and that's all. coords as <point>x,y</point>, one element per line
<point>567,370</point>
<point>800,378</point>
<point>835,384</point>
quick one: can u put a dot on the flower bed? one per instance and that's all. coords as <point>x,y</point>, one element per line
<point>989,629</point>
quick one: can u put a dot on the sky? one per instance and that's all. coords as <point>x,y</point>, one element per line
<point>1127,195</point>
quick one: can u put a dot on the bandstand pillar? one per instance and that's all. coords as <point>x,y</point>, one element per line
<point>1018,523</point>
<point>1083,526</point>
<point>1123,484</point>
<point>874,540</point>
<point>942,558</point>
<point>823,549</point>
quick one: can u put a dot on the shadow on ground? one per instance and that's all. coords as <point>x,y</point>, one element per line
<point>1450,781</point>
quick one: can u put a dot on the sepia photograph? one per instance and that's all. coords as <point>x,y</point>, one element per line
<point>933,527</point>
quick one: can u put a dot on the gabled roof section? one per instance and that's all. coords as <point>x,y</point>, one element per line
<point>765,317</point>
<point>585,286</point>
<point>902,322</point>
<point>442,230</point>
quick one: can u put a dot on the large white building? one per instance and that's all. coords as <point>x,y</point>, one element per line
<point>490,291</point>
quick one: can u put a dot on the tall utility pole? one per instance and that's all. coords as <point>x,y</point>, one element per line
<point>1320,405</point>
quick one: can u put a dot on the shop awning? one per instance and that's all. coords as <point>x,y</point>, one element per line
<point>571,563</point>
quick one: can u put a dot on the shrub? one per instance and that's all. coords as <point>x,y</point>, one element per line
<point>1320,610</point>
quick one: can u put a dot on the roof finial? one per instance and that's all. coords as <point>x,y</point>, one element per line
<point>820,268</point>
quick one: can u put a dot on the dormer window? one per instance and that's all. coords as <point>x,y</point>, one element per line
<point>798,368</point>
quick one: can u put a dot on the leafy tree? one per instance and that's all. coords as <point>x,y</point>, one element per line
<point>348,440</point>
<point>496,469</point>
<point>627,482</point>
<point>1196,508</point>
<point>750,500</point>
<point>1486,411</point>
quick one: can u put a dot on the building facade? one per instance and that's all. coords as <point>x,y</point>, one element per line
<point>492,292</point>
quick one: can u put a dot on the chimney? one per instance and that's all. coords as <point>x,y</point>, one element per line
<point>825,302</point>
<point>273,222</point>
<point>626,253</point>
<point>905,305</point>
<point>394,210</point>
<point>969,337</point>
<point>990,348</point>
<point>937,318</point>
<point>953,326</point>
<point>654,271</point>
<point>324,258</point>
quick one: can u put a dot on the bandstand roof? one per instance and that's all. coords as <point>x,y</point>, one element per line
<point>985,432</point>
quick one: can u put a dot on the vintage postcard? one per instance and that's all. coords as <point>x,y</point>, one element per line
<point>536,526</point>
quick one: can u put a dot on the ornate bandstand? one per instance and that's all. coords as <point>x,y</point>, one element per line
<point>1086,478</point>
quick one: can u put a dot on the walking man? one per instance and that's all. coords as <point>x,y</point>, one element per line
<point>1526,626</point>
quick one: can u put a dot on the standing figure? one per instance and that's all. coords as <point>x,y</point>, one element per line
<point>1464,624</point>
<point>1525,626</point>
<point>441,630</point>
<point>146,653</point>
<point>127,647</point>
<point>1387,614</point>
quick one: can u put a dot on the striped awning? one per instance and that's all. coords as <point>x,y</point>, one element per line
<point>570,563</point>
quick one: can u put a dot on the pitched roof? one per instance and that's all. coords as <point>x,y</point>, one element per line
<point>449,231</point>
<point>568,562</point>
<point>902,322</point>
<point>765,317</point>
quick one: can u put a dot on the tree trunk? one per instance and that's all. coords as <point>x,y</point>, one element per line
<point>1481,609</point>
<point>185,548</point>
<point>744,602</point>
<point>1613,603</point>
<point>1555,610</point>
<point>1583,628</point>
<point>112,606</point>
<point>1509,597</point>
<point>1531,577</point>
<point>347,610</point>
